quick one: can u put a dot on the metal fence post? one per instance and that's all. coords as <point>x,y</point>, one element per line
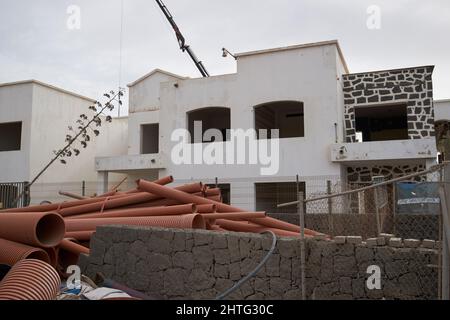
<point>330,210</point>
<point>301,212</point>
<point>444,193</point>
<point>377,210</point>
<point>27,195</point>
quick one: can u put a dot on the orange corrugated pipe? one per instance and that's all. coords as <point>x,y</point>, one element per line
<point>206,208</point>
<point>108,194</point>
<point>80,235</point>
<point>73,247</point>
<point>156,203</point>
<point>53,255</point>
<point>212,192</point>
<point>240,226</point>
<point>132,198</point>
<point>221,207</point>
<point>60,205</point>
<point>161,201</point>
<point>275,223</point>
<point>217,198</point>
<point>163,181</point>
<point>188,221</point>
<point>30,279</point>
<point>68,204</point>
<point>182,197</point>
<point>128,199</point>
<point>233,215</point>
<point>140,212</point>
<point>215,227</point>
<point>42,229</point>
<point>11,252</point>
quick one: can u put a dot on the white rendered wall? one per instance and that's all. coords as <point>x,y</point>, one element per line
<point>16,105</point>
<point>442,110</point>
<point>144,95</point>
<point>53,112</point>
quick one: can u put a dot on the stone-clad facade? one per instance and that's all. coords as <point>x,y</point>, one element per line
<point>366,173</point>
<point>412,86</point>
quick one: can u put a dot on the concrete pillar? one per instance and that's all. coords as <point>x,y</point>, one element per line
<point>102,182</point>
<point>433,176</point>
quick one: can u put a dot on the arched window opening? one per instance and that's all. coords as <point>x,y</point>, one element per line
<point>211,118</point>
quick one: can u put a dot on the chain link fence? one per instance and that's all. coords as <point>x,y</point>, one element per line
<point>404,213</point>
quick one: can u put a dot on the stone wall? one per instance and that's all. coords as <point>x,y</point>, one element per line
<point>364,174</point>
<point>198,264</point>
<point>412,86</point>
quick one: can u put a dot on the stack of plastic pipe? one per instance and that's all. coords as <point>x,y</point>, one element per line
<point>58,233</point>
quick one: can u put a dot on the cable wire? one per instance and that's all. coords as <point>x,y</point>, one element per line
<point>120,53</point>
<point>253,272</point>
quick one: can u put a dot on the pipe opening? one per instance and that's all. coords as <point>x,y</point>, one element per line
<point>50,230</point>
<point>39,255</point>
<point>198,222</point>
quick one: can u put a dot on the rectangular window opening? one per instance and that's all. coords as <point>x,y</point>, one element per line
<point>270,194</point>
<point>10,136</point>
<point>286,116</point>
<point>381,123</point>
<point>150,138</point>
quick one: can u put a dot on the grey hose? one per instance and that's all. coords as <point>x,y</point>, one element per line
<point>253,272</point>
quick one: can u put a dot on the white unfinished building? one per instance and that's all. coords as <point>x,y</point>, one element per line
<point>34,120</point>
<point>333,125</point>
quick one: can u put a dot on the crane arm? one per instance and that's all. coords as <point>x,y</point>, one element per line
<point>181,40</point>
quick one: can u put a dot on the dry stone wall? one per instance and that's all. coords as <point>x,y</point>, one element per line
<point>198,264</point>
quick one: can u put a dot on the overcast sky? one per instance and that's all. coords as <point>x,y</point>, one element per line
<point>35,41</point>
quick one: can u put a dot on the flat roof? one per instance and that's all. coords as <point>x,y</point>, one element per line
<point>156,71</point>
<point>48,86</point>
<point>298,46</point>
<point>389,70</point>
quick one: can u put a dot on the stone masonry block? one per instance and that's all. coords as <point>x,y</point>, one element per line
<point>340,239</point>
<point>354,239</point>
<point>429,244</point>
<point>381,241</point>
<point>387,236</point>
<point>220,241</point>
<point>288,247</point>
<point>395,242</point>
<point>371,242</point>
<point>411,243</point>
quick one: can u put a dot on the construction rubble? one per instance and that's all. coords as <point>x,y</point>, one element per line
<point>39,243</point>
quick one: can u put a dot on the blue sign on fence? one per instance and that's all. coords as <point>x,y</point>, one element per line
<point>417,197</point>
